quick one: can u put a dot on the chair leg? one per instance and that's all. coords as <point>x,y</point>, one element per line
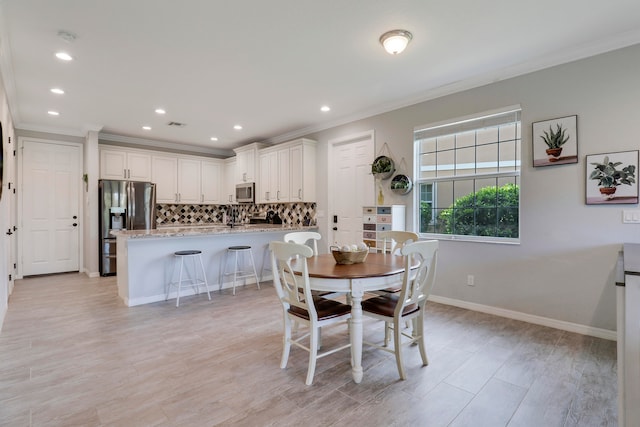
<point>313,354</point>
<point>397,347</point>
<point>419,325</point>
<point>387,334</point>
<point>286,342</point>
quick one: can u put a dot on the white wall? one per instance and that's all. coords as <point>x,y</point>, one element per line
<point>564,268</point>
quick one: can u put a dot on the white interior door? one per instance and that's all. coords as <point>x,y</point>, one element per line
<point>352,185</point>
<point>51,183</point>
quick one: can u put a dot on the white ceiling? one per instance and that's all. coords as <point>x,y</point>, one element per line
<point>271,65</point>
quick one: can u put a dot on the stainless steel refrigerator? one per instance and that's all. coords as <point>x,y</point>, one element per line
<point>124,205</point>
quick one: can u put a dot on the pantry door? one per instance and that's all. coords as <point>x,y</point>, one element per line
<point>351,186</point>
<point>50,192</point>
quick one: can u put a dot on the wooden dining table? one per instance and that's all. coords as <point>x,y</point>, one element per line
<point>378,271</point>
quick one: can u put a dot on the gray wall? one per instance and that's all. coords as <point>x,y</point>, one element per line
<point>564,267</point>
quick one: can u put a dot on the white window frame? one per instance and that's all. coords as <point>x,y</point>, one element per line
<point>459,125</point>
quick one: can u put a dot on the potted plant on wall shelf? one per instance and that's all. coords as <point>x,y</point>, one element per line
<point>554,140</point>
<point>383,167</point>
<point>609,176</point>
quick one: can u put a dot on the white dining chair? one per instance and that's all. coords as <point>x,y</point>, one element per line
<point>392,242</point>
<point>309,238</point>
<point>409,303</point>
<point>300,306</point>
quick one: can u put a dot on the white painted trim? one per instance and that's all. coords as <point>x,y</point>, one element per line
<point>529,318</point>
<point>131,302</point>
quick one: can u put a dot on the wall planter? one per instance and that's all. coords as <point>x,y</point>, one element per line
<point>383,167</point>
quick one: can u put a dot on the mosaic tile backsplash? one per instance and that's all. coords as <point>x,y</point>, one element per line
<point>290,213</point>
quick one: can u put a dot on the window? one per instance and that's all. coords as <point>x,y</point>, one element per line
<point>468,177</point>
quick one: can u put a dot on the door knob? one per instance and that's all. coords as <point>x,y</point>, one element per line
<point>335,228</point>
<point>75,217</point>
<point>75,224</point>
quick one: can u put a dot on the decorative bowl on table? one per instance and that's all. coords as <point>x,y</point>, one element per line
<point>349,257</point>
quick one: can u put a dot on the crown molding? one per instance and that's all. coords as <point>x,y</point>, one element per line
<point>162,145</point>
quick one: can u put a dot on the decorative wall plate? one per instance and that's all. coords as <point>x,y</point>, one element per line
<point>401,184</point>
<point>383,167</point>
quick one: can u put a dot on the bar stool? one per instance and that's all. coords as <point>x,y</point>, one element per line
<point>192,281</point>
<point>238,272</point>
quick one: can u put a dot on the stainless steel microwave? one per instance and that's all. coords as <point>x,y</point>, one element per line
<point>246,192</point>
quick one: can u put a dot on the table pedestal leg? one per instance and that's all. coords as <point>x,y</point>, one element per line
<point>356,330</point>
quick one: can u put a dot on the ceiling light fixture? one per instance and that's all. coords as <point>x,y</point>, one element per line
<point>213,138</point>
<point>57,91</point>
<point>160,111</point>
<point>325,108</point>
<point>53,113</point>
<point>64,56</point>
<point>146,127</point>
<point>237,127</point>
<point>395,41</point>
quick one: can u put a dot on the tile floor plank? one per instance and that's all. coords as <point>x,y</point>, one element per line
<point>72,354</point>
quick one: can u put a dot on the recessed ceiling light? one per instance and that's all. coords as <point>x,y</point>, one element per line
<point>57,91</point>
<point>213,138</point>
<point>146,127</point>
<point>160,111</point>
<point>325,108</point>
<point>237,127</point>
<point>53,113</point>
<point>64,56</point>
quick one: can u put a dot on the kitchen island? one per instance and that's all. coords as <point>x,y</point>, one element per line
<point>145,258</point>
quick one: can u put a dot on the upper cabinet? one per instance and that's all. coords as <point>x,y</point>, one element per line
<point>211,182</point>
<point>229,181</point>
<point>187,180</point>
<point>287,173</point>
<point>302,174</point>
<point>246,162</point>
<point>125,164</point>
<point>165,175</point>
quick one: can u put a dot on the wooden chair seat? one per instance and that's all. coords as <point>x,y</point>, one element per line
<point>386,306</point>
<point>325,308</point>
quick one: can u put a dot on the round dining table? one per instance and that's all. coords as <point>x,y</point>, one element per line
<point>378,271</point>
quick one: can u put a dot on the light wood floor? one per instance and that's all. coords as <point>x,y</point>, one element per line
<point>71,354</point>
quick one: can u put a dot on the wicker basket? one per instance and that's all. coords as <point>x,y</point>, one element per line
<point>352,257</point>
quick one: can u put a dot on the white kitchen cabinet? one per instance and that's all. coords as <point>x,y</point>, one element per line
<point>165,175</point>
<point>229,181</point>
<point>125,165</point>
<point>287,173</point>
<point>189,181</point>
<point>273,185</point>
<point>211,184</point>
<point>302,171</point>
<point>246,162</point>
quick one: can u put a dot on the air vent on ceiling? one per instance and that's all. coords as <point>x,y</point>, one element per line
<point>177,124</point>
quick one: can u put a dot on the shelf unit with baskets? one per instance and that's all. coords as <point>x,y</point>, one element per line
<point>381,218</point>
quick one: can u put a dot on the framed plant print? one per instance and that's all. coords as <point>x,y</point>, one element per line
<point>555,141</point>
<point>611,178</point>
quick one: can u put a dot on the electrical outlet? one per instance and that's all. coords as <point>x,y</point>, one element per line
<point>470,280</point>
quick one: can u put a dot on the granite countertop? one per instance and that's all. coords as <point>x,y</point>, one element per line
<point>214,229</point>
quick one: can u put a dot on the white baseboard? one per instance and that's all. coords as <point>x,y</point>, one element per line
<point>530,318</point>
